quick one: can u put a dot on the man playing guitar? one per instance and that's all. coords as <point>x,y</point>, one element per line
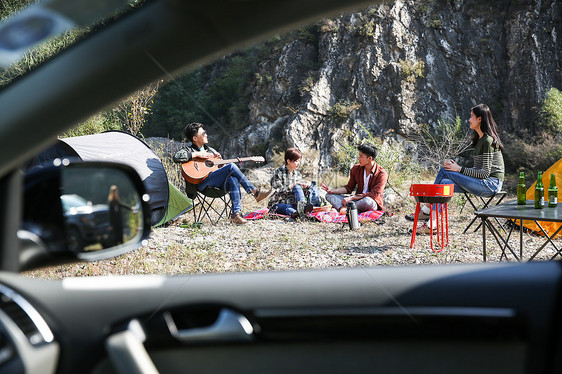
<point>228,177</point>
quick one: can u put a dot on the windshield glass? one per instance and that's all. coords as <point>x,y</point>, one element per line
<point>319,139</point>
<point>73,201</point>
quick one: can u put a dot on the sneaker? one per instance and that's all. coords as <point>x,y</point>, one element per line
<point>424,229</point>
<point>261,194</point>
<point>238,219</point>
<point>421,217</point>
<point>304,209</point>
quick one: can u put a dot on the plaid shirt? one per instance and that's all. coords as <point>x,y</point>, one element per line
<point>281,180</point>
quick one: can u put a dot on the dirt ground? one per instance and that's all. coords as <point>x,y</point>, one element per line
<point>277,245</point>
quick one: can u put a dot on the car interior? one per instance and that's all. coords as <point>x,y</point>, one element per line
<point>477,318</point>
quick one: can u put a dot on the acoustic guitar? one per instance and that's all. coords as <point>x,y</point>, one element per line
<point>196,170</point>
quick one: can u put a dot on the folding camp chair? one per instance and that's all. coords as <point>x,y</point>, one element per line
<point>483,203</point>
<point>204,203</point>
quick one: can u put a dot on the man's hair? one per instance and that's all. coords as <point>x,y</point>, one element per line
<point>191,130</point>
<point>368,149</point>
<point>292,154</point>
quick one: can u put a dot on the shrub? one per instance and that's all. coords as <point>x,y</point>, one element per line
<point>93,125</point>
<point>411,70</point>
<point>341,110</point>
<point>530,154</point>
<point>366,30</point>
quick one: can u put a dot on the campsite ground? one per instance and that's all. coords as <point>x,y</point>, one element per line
<point>278,245</point>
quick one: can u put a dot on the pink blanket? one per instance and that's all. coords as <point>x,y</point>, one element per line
<point>331,216</point>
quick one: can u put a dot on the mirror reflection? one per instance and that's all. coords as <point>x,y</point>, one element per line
<point>101,208</point>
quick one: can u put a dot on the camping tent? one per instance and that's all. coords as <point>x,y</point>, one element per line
<point>549,227</point>
<point>166,201</point>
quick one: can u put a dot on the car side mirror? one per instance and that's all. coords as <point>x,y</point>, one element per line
<point>85,211</point>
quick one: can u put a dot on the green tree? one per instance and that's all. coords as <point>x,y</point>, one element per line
<point>176,104</point>
<point>551,112</point>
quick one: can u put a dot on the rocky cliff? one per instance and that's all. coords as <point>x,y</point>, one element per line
<point>400,64</point>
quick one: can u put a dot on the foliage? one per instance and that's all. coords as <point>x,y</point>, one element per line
<point>436,23</point>
<point>530,154</point>
<point>551,112</point>
<point>260,79</point>
<point>94,125</point>
<point>9,7</point>
<point>133,111</point>
<point>172,170</point>
<point>38,55</point>
<point>411,70</point>
<point>259,149</point>
<point>367,29</point>
<point>176,104</point>
<point>308,35</point>
<point>448,139</point>
<point>219,104</point>
<point>341,110</point>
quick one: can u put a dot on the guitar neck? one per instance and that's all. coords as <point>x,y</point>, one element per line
<point>240,159</point>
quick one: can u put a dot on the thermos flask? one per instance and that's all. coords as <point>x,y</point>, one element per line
<point>352,218</point>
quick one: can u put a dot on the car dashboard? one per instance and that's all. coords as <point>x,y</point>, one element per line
<point>481,318</point>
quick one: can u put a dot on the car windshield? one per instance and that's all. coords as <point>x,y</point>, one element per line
<point>73,201</point>
<point>327,132</point>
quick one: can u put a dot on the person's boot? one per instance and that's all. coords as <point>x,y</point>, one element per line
<point>260,194</point>
<point>303,209</point>
<point>238,219</point>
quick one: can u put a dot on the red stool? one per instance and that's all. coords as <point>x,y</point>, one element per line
<point>438,195</point>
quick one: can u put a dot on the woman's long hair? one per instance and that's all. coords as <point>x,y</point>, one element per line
<point>487,125</point>
<point>113,193</point>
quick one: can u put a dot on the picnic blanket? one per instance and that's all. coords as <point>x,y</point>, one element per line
<point>331,216</point>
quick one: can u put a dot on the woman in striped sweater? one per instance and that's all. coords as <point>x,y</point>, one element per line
<point>485,178</point>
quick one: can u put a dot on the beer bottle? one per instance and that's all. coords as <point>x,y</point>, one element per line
<point>521,194</point>
<point>552,192</point>
<point>539,192</point>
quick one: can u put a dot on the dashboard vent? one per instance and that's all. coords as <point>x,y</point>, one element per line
<point>20,318</point>
<point>25,317</point>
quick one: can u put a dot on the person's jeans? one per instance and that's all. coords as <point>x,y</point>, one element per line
<point>363,205</point>
<point>229,178</point>
<point>464,183</point>
<point>290,209</point>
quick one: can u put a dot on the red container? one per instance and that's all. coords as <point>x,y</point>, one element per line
<point>432,193</point>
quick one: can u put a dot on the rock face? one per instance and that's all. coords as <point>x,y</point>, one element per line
<point>400,64</point>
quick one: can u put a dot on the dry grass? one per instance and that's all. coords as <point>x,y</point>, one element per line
<point>276,245</point>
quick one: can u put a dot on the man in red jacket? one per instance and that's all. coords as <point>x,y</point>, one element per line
<point>367,178</point>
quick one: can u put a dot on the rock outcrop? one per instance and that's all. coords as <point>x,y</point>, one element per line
<point>400,64</point>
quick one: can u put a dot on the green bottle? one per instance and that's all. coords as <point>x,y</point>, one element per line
<point>552,192</point>
<point>521,193</point>
<point>539,192</point>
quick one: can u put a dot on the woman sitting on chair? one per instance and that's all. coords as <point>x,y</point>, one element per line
<point>485,178</point>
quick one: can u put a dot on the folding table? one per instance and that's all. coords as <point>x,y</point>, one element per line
<point>519,213</point>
